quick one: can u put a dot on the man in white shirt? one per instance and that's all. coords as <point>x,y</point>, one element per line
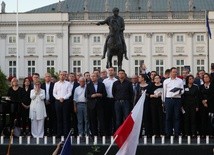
<point>80,107</point>
<point>109,113</point>
<point>62,92</point>
<point>172,90</point>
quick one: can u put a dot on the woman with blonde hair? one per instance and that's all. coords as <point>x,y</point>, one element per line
<point>37,110</point>
<point>14,94</point>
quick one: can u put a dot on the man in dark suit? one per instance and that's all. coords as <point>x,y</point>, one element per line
<point>74,85</point>
<point>50,121</point>
<point>199,79</point>
<point>95,93</point>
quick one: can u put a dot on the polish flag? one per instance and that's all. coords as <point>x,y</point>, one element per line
<point>127,135</point>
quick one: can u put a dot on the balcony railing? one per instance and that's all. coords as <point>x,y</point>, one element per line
<point>137,15</point>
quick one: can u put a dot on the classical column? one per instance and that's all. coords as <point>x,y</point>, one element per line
<point>149,36</point>
<point>3,49</point>
<point>191,48</point>
<point>86,50</point>
<point>40,52</point>
<point>61,51</point>
<point>128,45</point>
<point>21,51</point>
<point>170,50</point>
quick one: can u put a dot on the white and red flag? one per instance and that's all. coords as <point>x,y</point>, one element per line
<point>127,135</point>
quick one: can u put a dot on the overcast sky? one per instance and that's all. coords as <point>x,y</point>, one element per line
<point>26,5</point>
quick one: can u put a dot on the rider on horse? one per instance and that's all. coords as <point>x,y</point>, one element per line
<point>120,22</point>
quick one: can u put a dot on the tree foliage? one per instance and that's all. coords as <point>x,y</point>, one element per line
<point>3,84</point>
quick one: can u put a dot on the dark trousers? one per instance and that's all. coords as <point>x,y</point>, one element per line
<point>157,117</point>
<point>51,121</point>
<point>96,117</point>
<point>63,117</point>
<point>122,110</point>
<point>203,121</point>
<point>190,119</point>
<point>25,121</point>
<point>109,116</point>
<point>147,120</point>
<point>173,107</point>
<point>74,121</point>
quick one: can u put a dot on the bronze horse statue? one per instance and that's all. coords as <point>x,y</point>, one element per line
<point>114,44</point>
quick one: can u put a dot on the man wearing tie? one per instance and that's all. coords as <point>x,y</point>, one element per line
<point>50,122</point>
<point>95,93</point>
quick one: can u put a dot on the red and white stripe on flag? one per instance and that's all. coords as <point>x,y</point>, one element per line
<point>128,133</point>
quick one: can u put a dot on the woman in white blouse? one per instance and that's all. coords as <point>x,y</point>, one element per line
<point>37,111</point>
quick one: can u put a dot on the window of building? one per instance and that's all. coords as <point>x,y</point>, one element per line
<point>179,66</point>
<point>96,39</point>
<point>50,66</point>
<point>137,64</point>
<point>12,68</point>
<point>76,66</point>
<point>12,39</point>
<point>180,38</point>
<point>200,38</point>
<point>50,38</point>
<point>200,63</point>
<point>160,67</point>
<point>31,67</point>
<point>159,38</point>
<point>138,39</point>
<point>31,39</point>
<point>76,39</point>
<point>96,64</point>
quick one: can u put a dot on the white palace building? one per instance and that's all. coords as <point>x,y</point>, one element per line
<point>64,36</point>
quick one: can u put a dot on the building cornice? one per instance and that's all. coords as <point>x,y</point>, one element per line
<point>148,21</point>
<point>27,23</point>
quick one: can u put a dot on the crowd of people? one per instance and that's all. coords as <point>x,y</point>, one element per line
<point>97,103</point>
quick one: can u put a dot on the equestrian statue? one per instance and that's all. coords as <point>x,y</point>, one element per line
<point>115,43</point>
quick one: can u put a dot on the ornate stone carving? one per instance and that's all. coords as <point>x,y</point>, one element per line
<point>22,35</point>
<point>149,35</point>
<point>41,35</point>
<point>170,35</point>
<point>127,35</point>
<point>59,35</point>
<point>86,35</point>
<point>159,49</point>
<point>200,49</point>
<point>149,5</point>
<point>138,50</point>
<point>190,5</point>
<point>76,51</point>
<point>50,50</point>
<point>12,50</point>
<point>107,6</point>
<point>85,7</point>
<point>127,5</point>
<point>169,5</point>
<point>3,36</point>
<point>96,51</point>
<point>179,49</point>
<point>190,34</point>
<point>31,50</point>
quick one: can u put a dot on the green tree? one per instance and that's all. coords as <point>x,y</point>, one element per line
<point>3,84</point>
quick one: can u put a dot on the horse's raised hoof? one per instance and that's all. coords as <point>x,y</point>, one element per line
<point>103,57</point>
<point>126,58</point>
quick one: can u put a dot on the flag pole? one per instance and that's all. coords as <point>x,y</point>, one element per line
<point>208,42</point>
<point>17,40</point>
<point>111,145</point>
